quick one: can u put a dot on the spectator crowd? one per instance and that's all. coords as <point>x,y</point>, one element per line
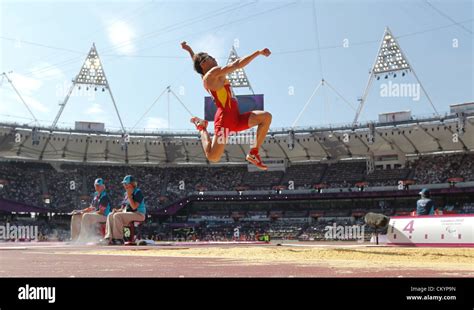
<point>65,187</point>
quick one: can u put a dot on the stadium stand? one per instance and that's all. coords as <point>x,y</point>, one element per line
<point>67,186</point>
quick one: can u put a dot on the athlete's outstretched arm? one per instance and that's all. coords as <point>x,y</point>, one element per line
<point>242,62</point>
<point>188,48</point>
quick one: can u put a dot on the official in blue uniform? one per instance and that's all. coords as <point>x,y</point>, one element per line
<point>133,209</point>
<point>84,222</point>
<point>424,205</point>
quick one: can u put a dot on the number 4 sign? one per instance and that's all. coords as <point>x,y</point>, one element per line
<point>409,227</point>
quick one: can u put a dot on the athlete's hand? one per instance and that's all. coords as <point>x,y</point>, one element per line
<point>265,52</point>
<point>185,46</point>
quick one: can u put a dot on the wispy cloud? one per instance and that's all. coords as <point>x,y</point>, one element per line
<point>47,71</point>
<point>13,110</point>
<point>35,104</point>
<point>216,46</point>
<point>27,87</point>
<point>95,108</point>
<point>25,83</point>
<point>97,112</point>
<point>121,34</point>
<point>156,123</point>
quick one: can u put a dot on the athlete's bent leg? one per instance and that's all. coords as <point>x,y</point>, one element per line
<point>262,119</point>
<point>213,149</point>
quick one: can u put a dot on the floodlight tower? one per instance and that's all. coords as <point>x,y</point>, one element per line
<point>91,75</point>
<point>237,78</point>
<point>390,60</point>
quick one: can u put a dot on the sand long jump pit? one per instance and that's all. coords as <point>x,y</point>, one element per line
<point>316,259</point>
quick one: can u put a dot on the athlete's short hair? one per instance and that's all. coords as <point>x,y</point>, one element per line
<point>198,58</point>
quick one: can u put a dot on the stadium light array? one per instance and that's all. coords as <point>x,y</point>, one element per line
<point>92,75</point>
<point>92,72</point>
<point>238,78</point>
<point>390,57</point>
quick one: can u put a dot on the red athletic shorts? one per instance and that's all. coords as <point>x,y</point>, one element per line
<point>230,120</point>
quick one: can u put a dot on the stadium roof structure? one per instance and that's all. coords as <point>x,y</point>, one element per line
<point>453,132</point>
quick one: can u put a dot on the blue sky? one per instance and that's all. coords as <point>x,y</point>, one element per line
<point>44,44</point>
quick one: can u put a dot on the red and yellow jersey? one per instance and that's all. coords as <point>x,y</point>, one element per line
<point>228,117</point>
<point>223,96</point>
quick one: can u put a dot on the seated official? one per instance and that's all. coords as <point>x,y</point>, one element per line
<point>132,210</point>
<point>84,222</point>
